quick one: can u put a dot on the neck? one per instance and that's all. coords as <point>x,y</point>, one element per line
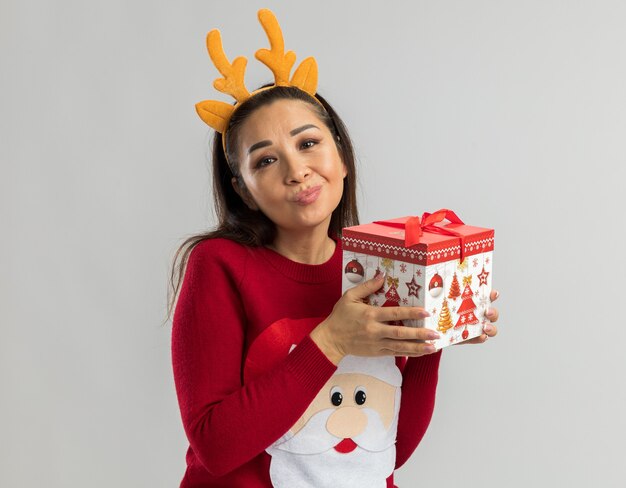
<point>307,247</point>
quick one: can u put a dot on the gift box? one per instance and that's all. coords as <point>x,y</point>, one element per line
<point>444,267</point>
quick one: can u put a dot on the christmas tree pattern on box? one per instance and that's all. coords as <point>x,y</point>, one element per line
<point>455,291</point>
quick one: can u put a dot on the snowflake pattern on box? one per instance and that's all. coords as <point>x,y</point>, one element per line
<point>457,313</point>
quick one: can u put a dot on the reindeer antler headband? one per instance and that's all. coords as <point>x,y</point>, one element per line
<point>217,114</point>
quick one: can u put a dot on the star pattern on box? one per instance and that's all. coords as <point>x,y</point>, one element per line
<point>405,301</point>
<point>403,268</point>
<point>475,262</point>
<point>418,272</point>
<point>482,277</point>
<point>487,260</point>
<point>414,288</point>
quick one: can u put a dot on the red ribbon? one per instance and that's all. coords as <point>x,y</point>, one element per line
<point>414,228</point>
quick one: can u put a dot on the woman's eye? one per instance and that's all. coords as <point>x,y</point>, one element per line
<point>308,144</point>
<point>264,162</point>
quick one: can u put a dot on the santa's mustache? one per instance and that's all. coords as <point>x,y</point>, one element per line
<point>314,438</point>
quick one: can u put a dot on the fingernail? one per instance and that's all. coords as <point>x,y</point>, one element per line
<point>488,328</point>
<point>490,311</point>
<point>433,335</point>
<point>430,348</point>
<point>497,294</point>
<point>425,313</point>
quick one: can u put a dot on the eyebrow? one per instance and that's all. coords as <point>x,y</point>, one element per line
<point>294,132</point>
<point>304,127</point>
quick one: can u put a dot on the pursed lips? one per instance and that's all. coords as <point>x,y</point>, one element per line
<point>304,194</point>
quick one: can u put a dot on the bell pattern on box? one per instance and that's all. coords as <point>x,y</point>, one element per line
<point>455,293</point>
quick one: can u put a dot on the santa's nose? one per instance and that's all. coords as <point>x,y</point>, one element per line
<point>346,422</point>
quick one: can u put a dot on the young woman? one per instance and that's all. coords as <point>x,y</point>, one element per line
<point>263,340</point>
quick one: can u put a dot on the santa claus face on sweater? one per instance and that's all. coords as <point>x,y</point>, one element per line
<point>346,438</point>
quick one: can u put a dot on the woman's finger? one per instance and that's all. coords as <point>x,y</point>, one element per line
<point>492,314</point>
<point>476,340</point>
<point>401,333</point>
<point>357,293</point>
<point>490,329</point>
<point>404,348</point>
<point>389,314</point>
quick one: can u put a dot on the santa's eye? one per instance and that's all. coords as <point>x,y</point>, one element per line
<point>359,395</point>
<point>336,396</point>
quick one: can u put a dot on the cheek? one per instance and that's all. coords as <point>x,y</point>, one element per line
<point>260,188</point>
<point>320,402</point>
<point>333,167</point>
<point>382,400</point>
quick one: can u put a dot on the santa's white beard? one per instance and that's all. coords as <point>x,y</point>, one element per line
<point>309,460</point>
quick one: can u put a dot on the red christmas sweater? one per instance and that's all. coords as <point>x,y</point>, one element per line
<point>231,294</point>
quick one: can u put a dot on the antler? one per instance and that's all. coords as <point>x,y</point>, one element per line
<point>217,114</point>
<point>280,62</point>
<point>232,83</point>
<point>305,76</point>
<point>275,58</point>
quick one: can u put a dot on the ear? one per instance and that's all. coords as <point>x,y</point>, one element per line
<point>243,194</point>
<point>345,169</point>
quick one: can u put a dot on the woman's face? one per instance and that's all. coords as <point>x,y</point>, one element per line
<point>290,165</point>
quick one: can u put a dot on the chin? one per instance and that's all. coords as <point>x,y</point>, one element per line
<point>311,225</point>
<point>305,221</point>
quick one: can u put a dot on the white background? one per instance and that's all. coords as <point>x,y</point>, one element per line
<point>510,113</point>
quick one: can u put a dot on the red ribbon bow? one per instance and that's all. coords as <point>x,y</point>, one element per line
<point>414,228</point>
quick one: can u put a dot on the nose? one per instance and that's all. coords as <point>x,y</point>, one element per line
<point>346,422</point>
<point>297,169</point>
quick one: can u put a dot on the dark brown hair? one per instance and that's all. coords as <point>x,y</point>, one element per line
<point>236,221</point>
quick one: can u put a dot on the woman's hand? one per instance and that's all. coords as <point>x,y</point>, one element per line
<point>489,329</point>
<point>359,329</point>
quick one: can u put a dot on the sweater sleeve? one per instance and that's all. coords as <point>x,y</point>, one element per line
<point>228,424</point>
<point>419,385</point>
